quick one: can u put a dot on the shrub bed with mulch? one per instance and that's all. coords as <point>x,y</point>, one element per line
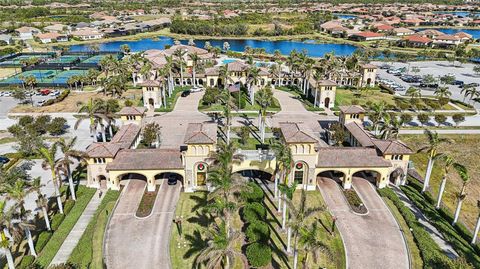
<point>146,204</point>
<point>354,201</point>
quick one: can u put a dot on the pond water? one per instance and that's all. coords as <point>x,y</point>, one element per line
<point>284,46</point>
<point>345,16</point>
<point>450,31</point>
<point>459,13</point>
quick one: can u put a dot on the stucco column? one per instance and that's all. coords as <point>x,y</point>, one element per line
<point>114,183</point>
<point>347,182</point>
<point>151,183</point>
<point>382,181</point>
<point>189,181</point>
<point>311,183</point>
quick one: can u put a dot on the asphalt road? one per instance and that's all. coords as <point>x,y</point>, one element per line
<point>141,243</point>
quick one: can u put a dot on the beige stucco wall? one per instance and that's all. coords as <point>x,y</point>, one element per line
<point>382,181</point>
<point>114,180</point>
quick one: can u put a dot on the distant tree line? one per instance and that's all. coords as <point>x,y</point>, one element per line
<point>198,27</point>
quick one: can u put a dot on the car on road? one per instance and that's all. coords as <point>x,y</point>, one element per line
<point>41,102</point>
<point>4,160</point>
<point>196,89</point>
<point>186,93</point>
<point>385,66</point>
<point>45,92</point>
<point>172,179</point>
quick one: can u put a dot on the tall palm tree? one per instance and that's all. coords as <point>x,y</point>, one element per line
<point>224,75</point>
<point>477,226</point>
<point>470,92</point>
<point>443,92</point>
<point>69,153</point>
<point>311,244</point>
<point>377,114</point>
<point>276,71</point>
<point>24,225</point>
<point>5,243</point>
<point>287,191</point>
<point>115,85</point>
<point>49,162</point>
<point>220,250</point>
<point>42,201</point>
<point>227,102</point>
<point>107,64</point>
<point>264,99</point>
<point>195,59</point>
<point>299,217</point>
<point>253,74</point>
<point>448,162</point>
<point>90,111</point>
<point>145,70</point>
<point>463,173</point>
<point>413,92</point>
<point>390,127</point>
<point>284,159</point>
<point>109,114</point>
<point>169,66</point>
<point>180,61</point>
<point>434,142</point>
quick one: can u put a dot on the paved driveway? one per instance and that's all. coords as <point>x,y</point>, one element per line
<point>141,243</point>
<point>373,240</point>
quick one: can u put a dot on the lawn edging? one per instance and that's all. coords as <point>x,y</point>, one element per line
<point>47,254</point>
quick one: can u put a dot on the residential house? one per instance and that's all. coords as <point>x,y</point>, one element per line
<point>51,37</point>
<point>446,41</point>
<point>87,34</point>
<point>416,41</point>
<point>401,31</point>
<point>367,36</point>
<point>57,28</point>
<point>7,39</point>
<point>26,32</point>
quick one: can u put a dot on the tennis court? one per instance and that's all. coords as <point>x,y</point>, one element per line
<point>59,77</point>
<point>96,59</point>
<point>67,59</point>
<point>18,59</point>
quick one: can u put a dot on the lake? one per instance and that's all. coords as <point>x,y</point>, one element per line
<point>459,13</point>
<point>450,31</point>
<point>345,16</point>
<point>284,46</point>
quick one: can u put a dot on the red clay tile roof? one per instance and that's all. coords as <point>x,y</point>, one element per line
<point>149,83</point>
<point>127,134</point>
<point>132,111</point>
<point>360,134</point>
<point>353,109</point>
<point>392,147</point>
<point>418,39</point>
<point>201,133</point>
<point>103,150</point>
<point>146,159</point>
<point>293,134</point>
<point>368,34</point>
<point>337,157</point>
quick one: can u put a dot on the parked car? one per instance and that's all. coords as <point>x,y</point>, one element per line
<point>172,179</point>
<point>429,86</point>
<point>41,103</point>
<point>7,94</point>
<point>385,66</point>
<point>459,83</point>
<point>4,160</point>
<point>186,93</point>
<point>45,91</point>
<point>196,89</point>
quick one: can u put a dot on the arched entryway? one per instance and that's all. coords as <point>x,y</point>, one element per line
<point>256,174</point>
<point>102,182</point>
<point>396,176</point>
<point>166,175</point>
<point>151,102</point>
<point>300,173</point>
<point>371,175</point>
<point>369,81</point>
<point>200,81</point>
<point>327,102</point>
<point>337,176</point>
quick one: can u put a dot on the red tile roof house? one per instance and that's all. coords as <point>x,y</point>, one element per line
<point>416,41</point>
<point>383,28</point>
<point>51,37</point>
<point>367,36</point>
<point>446,41</point>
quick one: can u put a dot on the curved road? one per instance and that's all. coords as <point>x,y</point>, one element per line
<point>373,240</point>
<point>141,243</point>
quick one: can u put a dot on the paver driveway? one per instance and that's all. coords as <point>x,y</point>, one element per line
<point>373,240</point>
<point>141,243</point>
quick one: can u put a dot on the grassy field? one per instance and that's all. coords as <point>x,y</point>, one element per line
<point>70,103</point>
<point>464,148</point>
<point>89,251</point>
<point>182,255</point>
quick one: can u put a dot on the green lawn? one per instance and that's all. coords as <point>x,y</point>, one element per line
<point>274,107</point>
<point>89,251</point>
<point>84,195</point>
<point>182,255</point>
<point>172,99</point>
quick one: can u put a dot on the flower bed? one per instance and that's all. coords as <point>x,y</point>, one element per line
<point>354,201</point>
<point>146,204</point>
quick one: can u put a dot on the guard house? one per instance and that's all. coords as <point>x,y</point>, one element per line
<point>353,113</point>
<point>201,140</point>
<point>132,114</point>
<point>368,73</point>
<point>152,93</point>
<point>324,93</point>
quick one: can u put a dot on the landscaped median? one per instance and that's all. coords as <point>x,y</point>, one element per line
<point>89,250</point>
<point>46,255</point>
<point>146,204</point>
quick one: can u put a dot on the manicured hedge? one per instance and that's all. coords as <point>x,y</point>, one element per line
<point>56,221</point>
<point>26,262</point>
<point>254,211</point>
<point>68,206</point>
<point>253,194</point>
<point>59,98</point>
<point>42,240</point>
<point>258,231</point>
<point>259,255</point>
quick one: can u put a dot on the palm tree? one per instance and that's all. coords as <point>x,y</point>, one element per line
<point>125,49</point>
<point>463,173</point>
<point>180,54</point>
<point>227,111</point>
<point>376,115</point>
<point>448,162</point>
<point>311,244</point>
<point>253,75</point>
<point>42,201</point>
<point>413,92</point>
<point>24,225</point>
<point>264,99</point>
<point>107,64</point>
<point>390,127</point>
<point>115,85</point>
<point>90,111</point>
<point>469,91</point>
<point>169,67</point>
<point>224,75</point>
<point>195,58</point>
<point>145,70</point>
<point>276,71</point>
<point>434,142</point>
<point>287,191</point>
<point>299,216</point>
<point>69,153</point>
<point>49,162</point>
<point>443,92</point>
<point>220,250</point>
<point>5,243</point>
<point>284,159</point>
<point>477,226</point>
<point>111,107</point>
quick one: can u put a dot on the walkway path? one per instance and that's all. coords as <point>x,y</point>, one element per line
<point>141,243</point>
<point>74,236</point>
<point>434,233</point>
<point>373,240</point>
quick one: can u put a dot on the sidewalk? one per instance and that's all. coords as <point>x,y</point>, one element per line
<point>74,236</point>
<point>434,233</point>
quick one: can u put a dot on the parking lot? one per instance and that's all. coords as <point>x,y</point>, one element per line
<point>7,102</point>
<point>437,69</point>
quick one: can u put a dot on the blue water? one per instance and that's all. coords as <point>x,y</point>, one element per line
<point>345,16</point>
<point>459,13</point>
<point>284,46</point>
<point>450,31</point>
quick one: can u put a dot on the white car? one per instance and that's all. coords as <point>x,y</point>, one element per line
<point>196,89</point>
<point>40,103</point>
<point>7,94</point>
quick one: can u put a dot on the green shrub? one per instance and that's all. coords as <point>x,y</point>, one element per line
<point>254,211</point>
<point>258,231</point>
<point>42,240</point>
<point>59,98</point>
<point>67,207</point>
<point>253,194</point>
<point>26,261</point>
<point>259,255</point>
<point>57,220</point>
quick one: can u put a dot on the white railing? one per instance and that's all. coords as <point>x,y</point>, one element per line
<point>256,155</point>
